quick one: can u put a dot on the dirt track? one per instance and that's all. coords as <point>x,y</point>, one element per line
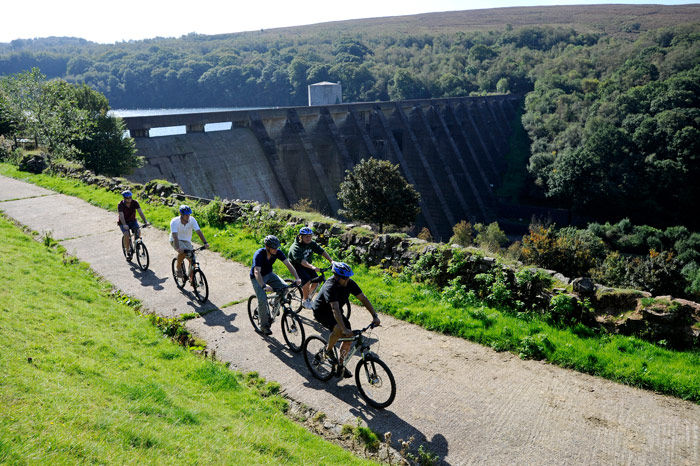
<point>466,403</point>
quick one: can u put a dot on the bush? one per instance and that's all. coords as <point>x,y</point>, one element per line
<point>462,234</point>
<point>570,251</point>
<point>566,310</point>
<point>212,213</point>
<point>425,235</point>
<point>490,237</point>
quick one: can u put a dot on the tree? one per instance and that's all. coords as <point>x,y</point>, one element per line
<point>374,191</point>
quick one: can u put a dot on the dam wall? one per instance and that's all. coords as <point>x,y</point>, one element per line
<point>451,150</point>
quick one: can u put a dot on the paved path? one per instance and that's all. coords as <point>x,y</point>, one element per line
<point>464,402</point>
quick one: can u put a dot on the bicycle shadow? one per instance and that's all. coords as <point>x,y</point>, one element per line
<point>148,278</point>
<point>214,316</point>
<point>380,421</point>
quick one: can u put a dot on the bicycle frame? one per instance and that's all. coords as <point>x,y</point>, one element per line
<point>359,345</point>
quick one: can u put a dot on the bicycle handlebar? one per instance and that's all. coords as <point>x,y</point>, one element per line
<point>360,332</point>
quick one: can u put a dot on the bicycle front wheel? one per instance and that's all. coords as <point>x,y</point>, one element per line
<point>180,282</point>
<point>375,382</point>
<point>316,359</point>
<point>142,255</point>
<point>295,296</point>
<point>253,312</point>
<point>201,287</point>
<point>293,330</point>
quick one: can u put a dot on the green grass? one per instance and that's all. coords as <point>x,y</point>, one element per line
<point>85,379</point>
<point>623,359</point>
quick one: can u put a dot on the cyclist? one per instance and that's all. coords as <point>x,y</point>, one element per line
<point>181,228</point>
<point>127,209</point>
<point>300,255</point>
<point>335,294</point>
<point>264,279</point>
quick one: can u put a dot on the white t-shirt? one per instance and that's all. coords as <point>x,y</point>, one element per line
<point>184,232</point>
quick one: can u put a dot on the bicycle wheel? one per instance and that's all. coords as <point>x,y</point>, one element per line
<point>295,295</point>
<point>180,282</point>
<point>201,287</point>
<point>375,382</point>
<point>142,255</point>
<point>316,359</point>
<point>293,330</point>
<point>253,312</point>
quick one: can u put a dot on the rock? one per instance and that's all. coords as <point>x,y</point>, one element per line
<point>33,163</point>
<point>584,286</point>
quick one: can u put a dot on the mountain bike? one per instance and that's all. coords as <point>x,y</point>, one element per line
<point>292,327</point>
<point>374,380</point>
<point>297,295</point>
<point>200,287</point>
<point>137,247</point>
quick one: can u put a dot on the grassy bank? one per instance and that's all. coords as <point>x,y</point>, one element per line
<point>624,359</point>
<point>84,379</point>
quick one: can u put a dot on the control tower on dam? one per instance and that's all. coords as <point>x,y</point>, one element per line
<point>451,150</point>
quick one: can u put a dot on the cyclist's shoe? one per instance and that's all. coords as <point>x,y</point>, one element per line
<point>342,372</point>
<point>307,304</point>
<point>266,331</point>
<point>179,274</point>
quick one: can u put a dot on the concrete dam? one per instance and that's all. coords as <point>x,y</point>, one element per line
<point>451,150</point>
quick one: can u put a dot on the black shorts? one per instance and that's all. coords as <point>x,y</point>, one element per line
<point>305,273</point>
<point>327,320</point>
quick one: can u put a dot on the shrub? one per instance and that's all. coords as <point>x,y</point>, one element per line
<point>462,234</point>
<point>425,235</point>
<point>535,347</point>
<point>212,213</point>
<point>490,237</point>
<point>570,251</point>
<point>304,205</point>
<point>566,310</point>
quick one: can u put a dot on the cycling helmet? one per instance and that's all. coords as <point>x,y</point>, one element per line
<point>126,193</point>
<point>306,231</point>
<point>271,241</point>
<point>185,210</point>
<point>342,269</point>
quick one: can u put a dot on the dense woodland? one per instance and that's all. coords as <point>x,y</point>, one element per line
<point>612,103</point>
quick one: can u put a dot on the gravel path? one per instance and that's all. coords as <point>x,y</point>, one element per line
<point>464,402</point>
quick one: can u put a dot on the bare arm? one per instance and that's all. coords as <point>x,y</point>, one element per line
<point>122,219</point>
<point>365,302</point>
<point>143,217</point>
<point>201,236</point>
<point>292,270</point>
<point>327,256</point>
<point>258,277</point>
<point>339,319</point>
<point>176,244</point>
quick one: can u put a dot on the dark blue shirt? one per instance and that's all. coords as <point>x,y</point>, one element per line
<point>260,260</point>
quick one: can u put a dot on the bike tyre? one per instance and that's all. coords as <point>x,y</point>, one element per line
<point>295,295</point>
<point>179,282</point>
<point>293,331</point>
<point>142,256</point>
<point>312,350</point>
<point>373,365</point>
<point>201,287</point>
<point>253,312</point>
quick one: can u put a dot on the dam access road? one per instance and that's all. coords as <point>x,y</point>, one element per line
<point>464,402</point>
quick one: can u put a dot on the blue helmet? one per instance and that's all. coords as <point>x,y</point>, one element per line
<point>306,231</point>
<point>126,193</point>
<point>271,241</point>
<point>185,210</point>
<point>342,269</point>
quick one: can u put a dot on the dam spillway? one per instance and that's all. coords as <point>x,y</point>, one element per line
<point>451,150</point>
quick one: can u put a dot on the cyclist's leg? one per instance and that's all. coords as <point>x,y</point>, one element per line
<point>136,229</point>
<point>125,236</point>
<point>263,312</point>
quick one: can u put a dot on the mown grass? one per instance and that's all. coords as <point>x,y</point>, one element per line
<point>85,379</point>
<point>624,359</point>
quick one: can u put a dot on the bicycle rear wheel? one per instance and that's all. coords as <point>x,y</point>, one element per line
<point>253,312</point>
<point>180,282</point>
<point>375,382</point>
<point>316,359</point>
<point>142,255</point>
<point>295,295</point>
<point>201,287</point>
<point>293,330</point>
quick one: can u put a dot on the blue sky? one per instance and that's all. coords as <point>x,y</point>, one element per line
<point>114,21</point>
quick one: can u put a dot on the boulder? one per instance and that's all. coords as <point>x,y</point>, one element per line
<point>33,163</point>
<point>584,287</point>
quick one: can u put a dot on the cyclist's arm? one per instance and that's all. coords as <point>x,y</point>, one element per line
<point>308,265</point>
<point>339,319</point>
<point>365,302</point>
<point>143,217</point>
<point>327,256</point>
<point>122,219</point>
<point>201,236</point>
<point>258,277</point>
<point>292,270</point>
<point>176,242</point>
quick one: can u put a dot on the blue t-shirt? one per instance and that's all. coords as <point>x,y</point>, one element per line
<point>260,260</point>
